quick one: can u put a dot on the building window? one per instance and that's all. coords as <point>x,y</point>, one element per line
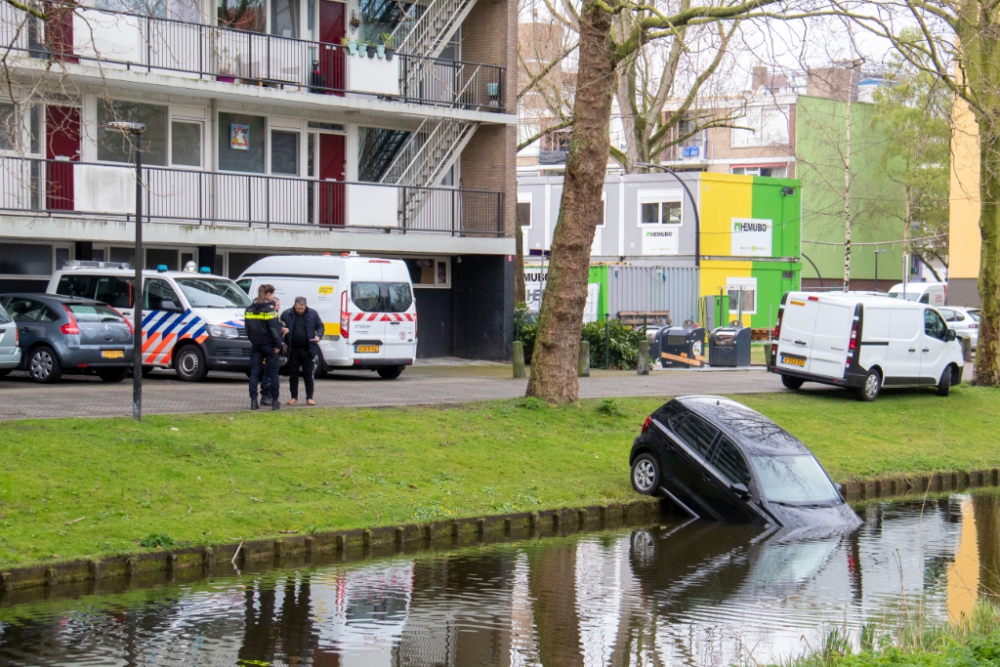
<point>9,127</point>
<point>660,213</point>
<point>156,257</point>
<point>185,144</point>
<point>25,259</point>
<point>524,212</point>
<point>761,127</point>
<point>285,18</point>
<point>285,153</point>
<point>773,172</point>
<point>115,146</point>
<point>242,14</point>
<point>241,142</point>
<point>429,272</point>
<point>747,287</point>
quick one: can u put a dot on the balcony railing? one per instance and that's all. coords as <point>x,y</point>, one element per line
<point>133,42</point>
<point>54,187</point>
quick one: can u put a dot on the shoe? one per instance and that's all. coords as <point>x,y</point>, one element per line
<point>254,405</point>
<point>265,401</point>
<point>309,401</point>
<point>276,405</point>
<point>293,401</point>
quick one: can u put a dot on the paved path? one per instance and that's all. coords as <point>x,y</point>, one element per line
<point>164,394</point>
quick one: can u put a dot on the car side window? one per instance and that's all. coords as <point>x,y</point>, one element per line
<point>948,315</point>
<point>729,461</point>
<point>114,291</point>
<point>47,315</point>
<point>24,310</point>
<point>155,292</point>
<point>934,326</point>
<point>694,431</point>
<point>926,298</point>
<point>76,285</point>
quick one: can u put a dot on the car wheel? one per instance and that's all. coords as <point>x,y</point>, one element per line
<point>944,384</point>
<point>791,382</point>
<point>390,372</point>
<point>189,362</point>
<point>43,365</point>
<point>321,370</point>
<point>646,474</point>
<point>644,547</point>
<point>112,374</point>
<point>869,390</point>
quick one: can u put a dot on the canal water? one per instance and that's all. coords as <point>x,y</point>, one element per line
<point>695,593</point>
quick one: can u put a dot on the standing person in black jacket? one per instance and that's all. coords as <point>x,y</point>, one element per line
<point>304,330</point>
<point>264,331</point>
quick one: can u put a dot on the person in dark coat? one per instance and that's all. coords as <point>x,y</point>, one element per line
<point>269,393</point>
<point>264,331</point>
<point>304,331</point>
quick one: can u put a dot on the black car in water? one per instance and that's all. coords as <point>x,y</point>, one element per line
<point>718,459</point>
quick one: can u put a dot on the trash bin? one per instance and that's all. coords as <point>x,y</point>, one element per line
<point>681,347</point>
<point>653,338</point>
<point>729,346</point>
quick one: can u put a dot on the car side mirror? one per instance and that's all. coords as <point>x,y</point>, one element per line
<point>740,490</point>
<point>169,305</point>
<point>840,488</point>
<point>951,335</point>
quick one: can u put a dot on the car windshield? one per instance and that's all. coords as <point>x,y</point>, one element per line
<point>213,293</point>
<point>794,479</point>
<point>94,313</point>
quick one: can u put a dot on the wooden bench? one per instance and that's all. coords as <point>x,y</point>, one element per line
<point>636,318</point>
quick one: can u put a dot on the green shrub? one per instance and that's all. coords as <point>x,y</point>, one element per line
<point>623,345</point>
<point>154,540</point>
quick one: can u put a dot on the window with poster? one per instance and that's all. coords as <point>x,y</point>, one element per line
<point>429,271</point>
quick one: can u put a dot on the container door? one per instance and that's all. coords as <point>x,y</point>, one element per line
<point>797,325</point>
<point>62,139</point>
<point>831,338</point>
<point>331,58</point>
<point>331,169</point>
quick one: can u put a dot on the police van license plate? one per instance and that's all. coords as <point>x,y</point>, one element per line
<point>112,354</point>
<point>365,348</point>
<point>793,361</point>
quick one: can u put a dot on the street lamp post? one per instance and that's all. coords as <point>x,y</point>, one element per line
<point>136,130</point>
<point>877,253</point>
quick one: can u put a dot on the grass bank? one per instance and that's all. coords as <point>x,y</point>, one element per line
<point>86,487</point>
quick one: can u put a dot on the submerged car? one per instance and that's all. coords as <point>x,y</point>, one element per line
<point>718,459</point>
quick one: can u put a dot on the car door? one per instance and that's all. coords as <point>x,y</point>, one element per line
<point>797,325</point>
<point>160,326</point>
<point>368,326</point>
<point>831,338</point>
<point>400,325</point>
<point>902,365</point>
<point>686,467</point>
<point>933,347</point>
<point>8,334</point>
<point>728,461</point>
<point>25,313</point>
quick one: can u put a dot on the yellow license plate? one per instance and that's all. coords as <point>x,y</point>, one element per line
<point>365,348</point>
<point>112,354</point>
<point>793,361</point>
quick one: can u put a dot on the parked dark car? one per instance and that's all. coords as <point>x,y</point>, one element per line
<point>62,334</point>
<point>718,459</point>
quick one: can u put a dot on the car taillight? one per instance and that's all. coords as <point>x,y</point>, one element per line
<point>131,329</point>
<point>345,316</point>
<point>777,325</point>
<point>415,329</point>
<point>17,337</point>
<point>70,327</point>
<point>646,424</point>
<point>973,326</point>
<point>853,345</point>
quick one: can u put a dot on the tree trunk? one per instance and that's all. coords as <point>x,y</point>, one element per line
<point>560,318</point>
<point>987,371</point>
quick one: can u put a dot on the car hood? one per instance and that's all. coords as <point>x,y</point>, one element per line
<point>835,516</point>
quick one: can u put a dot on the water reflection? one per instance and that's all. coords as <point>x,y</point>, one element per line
<point>696,593</point>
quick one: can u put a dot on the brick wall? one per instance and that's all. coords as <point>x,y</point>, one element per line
<point>483,312</point>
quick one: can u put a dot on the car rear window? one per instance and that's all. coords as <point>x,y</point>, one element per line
<point>379,297</point>
<point>399,297</point>
<point>93,313</point>
<point>974,314</point>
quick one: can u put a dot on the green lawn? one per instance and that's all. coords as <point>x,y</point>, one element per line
<point>83,487</point>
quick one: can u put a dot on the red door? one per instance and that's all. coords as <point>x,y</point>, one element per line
<point>331,58</point>
<point>331,168</point>
<point>62,148</point>
<point>59,31</point>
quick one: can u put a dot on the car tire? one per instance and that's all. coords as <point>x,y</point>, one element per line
<point>321,370</point>
<point>644,547</point>
<point>189,362</point>
<point>870,388</point>
<point>112,374</point>
<point>792,382</point>
<point>147,371</point>
<point>43,365</point>
<point>646,474</point>
<point>390,372</point>
<point>944,384</point>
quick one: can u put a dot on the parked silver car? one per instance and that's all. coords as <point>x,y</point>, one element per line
<point>61,334</point>
<point>964,321</point>
<point>10,351</point>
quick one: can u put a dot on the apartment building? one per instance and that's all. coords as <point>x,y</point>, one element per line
<point>271,126</point>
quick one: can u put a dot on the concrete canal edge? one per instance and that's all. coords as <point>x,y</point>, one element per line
<point>330,547</point>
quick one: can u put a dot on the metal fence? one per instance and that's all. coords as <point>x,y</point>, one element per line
<point>30,185</point>
<point>128,41</point>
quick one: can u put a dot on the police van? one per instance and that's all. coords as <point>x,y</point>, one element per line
<point>191,322</point>
<point>366,304</point>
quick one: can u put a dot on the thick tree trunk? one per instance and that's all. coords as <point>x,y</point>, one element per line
<point>987,370</point>
<point>560,318</point>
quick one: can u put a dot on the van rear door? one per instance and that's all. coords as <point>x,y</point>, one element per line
<point>797,324</point>
<point>368,322</point>
<point>831,337</point>
<point>400,315</point>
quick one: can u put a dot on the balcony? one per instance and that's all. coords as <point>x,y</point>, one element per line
<point>60,187</point>
<point>133,42</point>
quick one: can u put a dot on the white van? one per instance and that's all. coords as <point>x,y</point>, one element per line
<point>366,304</point>
<point>191,322</point>
<point>864,343</point>
<point>933,294</point>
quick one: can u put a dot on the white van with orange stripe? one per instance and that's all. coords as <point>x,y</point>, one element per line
<point>367,306</point>
<point>191,322</point>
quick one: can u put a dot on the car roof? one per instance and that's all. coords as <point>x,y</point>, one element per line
<point>754,433</point>
<point>130,273</point>
<point>316,266</point>
<point>850,299</point>
<point>58,298</point>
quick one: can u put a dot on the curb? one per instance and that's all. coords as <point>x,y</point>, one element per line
<point>939,482</point>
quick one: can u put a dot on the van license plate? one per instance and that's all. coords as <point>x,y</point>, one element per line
<point>365,348</point>
<point>112,354</point>
<point>793,361</point>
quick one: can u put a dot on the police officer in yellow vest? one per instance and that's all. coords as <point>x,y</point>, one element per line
<point>264,331</point>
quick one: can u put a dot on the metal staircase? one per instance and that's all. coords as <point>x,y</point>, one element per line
<point>426,29</point>
<point>424,160</point>
<point>378,149</point>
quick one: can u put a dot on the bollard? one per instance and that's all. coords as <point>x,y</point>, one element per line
<point>583,363</point>
<point>966,349</point>
<point>517,353</point>
<point>643,368</point>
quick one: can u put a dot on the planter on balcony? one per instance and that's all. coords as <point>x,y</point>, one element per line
<point>372,75</point>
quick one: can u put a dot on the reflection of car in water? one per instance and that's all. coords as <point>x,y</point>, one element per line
<point>718,459</point>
